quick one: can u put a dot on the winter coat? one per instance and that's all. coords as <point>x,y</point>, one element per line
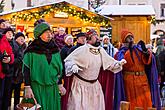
<point>59,39</point>
<point>74,47</point>
<point>64,54</point>
<point>18,56</point>
<point>15,47</point>
<point>5,46</point>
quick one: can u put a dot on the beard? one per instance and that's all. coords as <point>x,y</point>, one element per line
<point>97,43</point>
<point>105,48</point>
<point>130,45</point>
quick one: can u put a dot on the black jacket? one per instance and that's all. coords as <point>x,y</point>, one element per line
<point>74,47</point>
<point>64,54</point>
<point>17,74</point>
<point>15,69</point>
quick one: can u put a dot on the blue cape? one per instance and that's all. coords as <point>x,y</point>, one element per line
<point>152,75</point>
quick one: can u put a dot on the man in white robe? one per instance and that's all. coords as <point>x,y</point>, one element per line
<point>85,63</point>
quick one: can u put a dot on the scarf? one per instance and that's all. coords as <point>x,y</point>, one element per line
<point>40,47</point>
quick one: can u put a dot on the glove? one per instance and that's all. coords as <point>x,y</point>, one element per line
<point>142,45</point>
<point>1,36</point>
<point>123,61</point>
<point>6,59</point>
<point>145,50</point>
<point>75,69</point>
<point>28,93</point>
<point>62,89</point>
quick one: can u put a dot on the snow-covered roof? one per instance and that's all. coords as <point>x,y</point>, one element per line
<point>28,8</point>
<point>127,10</point>
<point>48,4</point>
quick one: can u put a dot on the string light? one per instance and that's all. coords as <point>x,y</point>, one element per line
<point>154,21</point>
<point>63,7</point>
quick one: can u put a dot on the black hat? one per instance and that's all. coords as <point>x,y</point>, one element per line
<point>2,20</point>
<point>8,29</point>
<point>81,34</point>
<point>19,34</point>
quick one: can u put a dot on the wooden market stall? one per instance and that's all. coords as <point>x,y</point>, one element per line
<point>136,18</point>
<point>62,14</point>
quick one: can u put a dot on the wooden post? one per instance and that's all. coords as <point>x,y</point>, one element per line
<point>124,105</point>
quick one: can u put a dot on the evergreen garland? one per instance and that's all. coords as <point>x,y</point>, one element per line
<point>155,21</point>
<point>63,7</point>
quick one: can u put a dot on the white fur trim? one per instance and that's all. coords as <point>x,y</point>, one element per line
<point>67,37</point>
<point>104,37</point>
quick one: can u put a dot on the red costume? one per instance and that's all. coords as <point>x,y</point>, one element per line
<point>106,79</point>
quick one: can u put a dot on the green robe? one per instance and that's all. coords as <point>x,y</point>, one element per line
<point>44,77</point>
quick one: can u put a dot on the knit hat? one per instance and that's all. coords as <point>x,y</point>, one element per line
<point>40,29</point>
<point>8,29</point>
<point>19,34</point>
<point>81,34</point>
<point>124,34</point>
<point>90,33</point>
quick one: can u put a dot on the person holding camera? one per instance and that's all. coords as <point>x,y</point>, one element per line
<point>6,58</point>
<point>9,33</point>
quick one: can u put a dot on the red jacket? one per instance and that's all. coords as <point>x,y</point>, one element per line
<point>5,46</point>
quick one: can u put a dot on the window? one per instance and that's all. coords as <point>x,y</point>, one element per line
<point>131,3</point>
<point>141,4</point>
<point>162,10</point>
<point>136,3</point>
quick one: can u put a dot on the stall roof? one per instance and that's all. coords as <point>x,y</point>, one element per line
<point>29,8</point>
<point>127,10</point>
<point>49,4</point>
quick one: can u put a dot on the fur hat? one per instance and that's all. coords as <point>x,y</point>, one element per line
<point>2,20</point>
<point>40,29</point>
<point>124,34</point>
<point>67,37</point>
<point>8,29</point>
<point>18,34</point>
